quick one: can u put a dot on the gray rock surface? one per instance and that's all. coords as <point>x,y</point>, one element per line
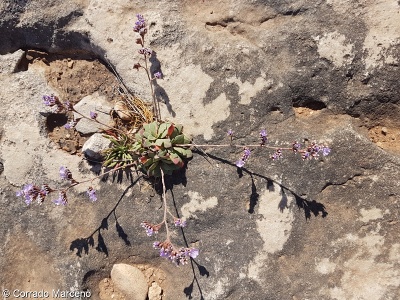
<point>97,104</point>
<point>9,62</point>
<point>130,281</point>
<point>94,146</point>
<point>288,229</point>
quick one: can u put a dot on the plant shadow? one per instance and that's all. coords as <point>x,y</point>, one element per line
<point>82,245</point>
<point>158,90</point>
<point>310,207</point>
<point>202,270</point>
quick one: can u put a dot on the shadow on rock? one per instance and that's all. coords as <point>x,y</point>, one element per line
<point>158,90</point>
<point>202,270</point>
<point>82,245</point>
<point>309,207</point>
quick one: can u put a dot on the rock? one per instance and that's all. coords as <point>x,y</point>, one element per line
<point>384,130</point>
<point>95,145</point>
<point>155,291</point>
<point>130,281</point>
<point>93,103</point>
<point>9,62</point>
<point>70,64</point>
<point>247,66</point>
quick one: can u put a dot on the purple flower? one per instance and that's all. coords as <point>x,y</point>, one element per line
<point>62,199</point>
<point>178,256</point>
<point>263,136</point>
<point>296,146</point>
<point>93,115</point>
<point>68,106</point>
<point>49,100</point>
<point>193,252</point>
<point>263,133</point>
<point>140,25</point>
<point>179,223</point>
<point>158,75</point>
<point>246,154</point>
<point>92,194</point>
<point>53,102</point>
<point>150,228</point>
<point>230,132</point>
<point>240,163</point>
<point>277,155</point>
<point>326,151</point>
<point>314,150</point>
<point>145,51</point>
<point>31,193</point>
<point>65,173</point>
<point>46,189</point>
<point>306,155</point>
<point>70,125</point>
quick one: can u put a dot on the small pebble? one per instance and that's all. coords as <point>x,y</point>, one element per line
<point>384,130</point>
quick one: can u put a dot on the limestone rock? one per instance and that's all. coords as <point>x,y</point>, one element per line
<point>130,281</point>
<point>155,291</point>
<point>94,145</point>
<point>93,103</point>
<point>9,62</point>
<point>288,229</point>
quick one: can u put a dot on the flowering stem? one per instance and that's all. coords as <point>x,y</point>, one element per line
<point>97,121</point>
<point>165,204</point>
<point>91,179</point>
<point>232,145</point>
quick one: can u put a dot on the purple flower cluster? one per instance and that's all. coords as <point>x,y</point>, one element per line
<point>150,228</point>
<point>296,146</point>
<point>158,75</point>
<point>66,174</point>
<point>314,151</point>
<point>68,106</point>
<point>277,154</point>
<point>246,154</point>
<point>263,137</point>
<point>145,51</point>
<point>178,256</point>
<point>179,223</point>
<point>93,115</point>
<point>92,194</point>
<point>33,193</point>
<point>62,198</point>
<point>71,124</point>
<point>140,25</point>
<point>54,103</point>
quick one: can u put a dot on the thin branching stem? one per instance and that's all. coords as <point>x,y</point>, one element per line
<point>164,197</point>
<point>97,121</point>
<point>105,173</point>
<point>232,145</point>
